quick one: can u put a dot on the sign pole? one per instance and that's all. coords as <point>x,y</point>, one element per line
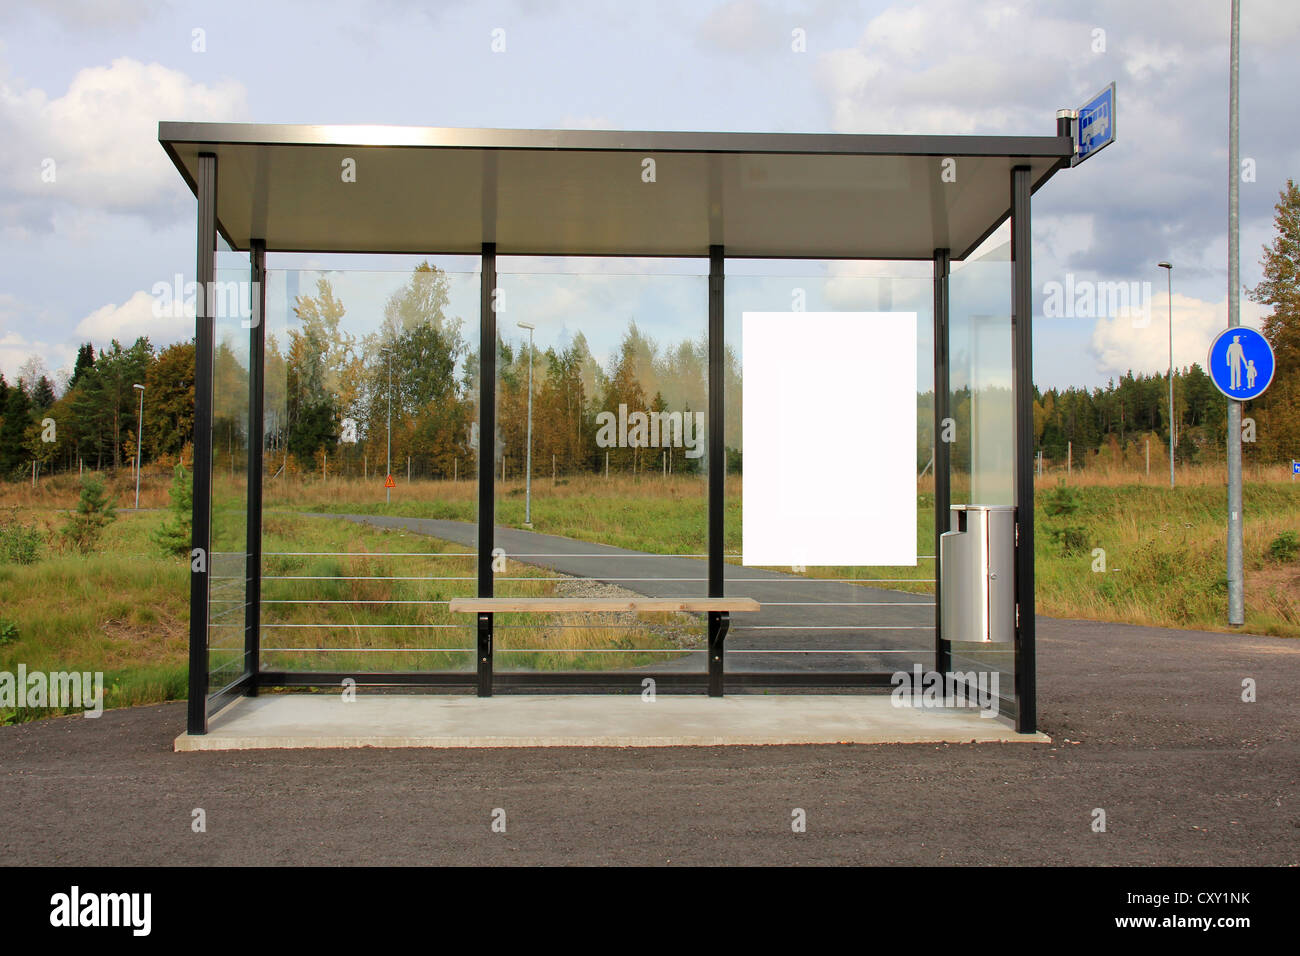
<point>388,483</point>
<point>1236,587</point>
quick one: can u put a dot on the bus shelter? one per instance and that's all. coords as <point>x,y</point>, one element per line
<point>721,199</point>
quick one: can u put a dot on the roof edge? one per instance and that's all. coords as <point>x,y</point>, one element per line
<point>440,137</point>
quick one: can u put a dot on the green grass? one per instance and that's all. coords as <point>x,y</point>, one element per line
<point>1165,558</point>
<point>654,514</point>
<point>376,623</point>
<point>1164,548</point>
<point>124,609</point>
<point>121,610</point>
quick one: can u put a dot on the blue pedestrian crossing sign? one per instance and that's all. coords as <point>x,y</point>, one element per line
<point>1241,363</point>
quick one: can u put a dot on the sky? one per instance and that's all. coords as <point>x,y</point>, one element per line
<point>84,83</point>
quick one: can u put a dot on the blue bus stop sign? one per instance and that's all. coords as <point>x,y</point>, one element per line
<point>1241,363</point>
<point>1096,125</point>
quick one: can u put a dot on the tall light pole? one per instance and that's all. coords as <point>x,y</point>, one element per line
<point>388,469</point>
<point>139,440</point>
<point>1169,277</point>
<point>528,467</point>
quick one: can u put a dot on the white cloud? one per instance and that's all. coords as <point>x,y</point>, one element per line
<point>102,136</point>
<point>997,61</point>
<point>15,349</point>
<point>1124,343</point>
<point>1058,238</point>
<point>133,318</point>
<point>1006,66</point>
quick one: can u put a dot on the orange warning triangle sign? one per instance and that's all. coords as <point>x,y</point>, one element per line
<point>389,483</point>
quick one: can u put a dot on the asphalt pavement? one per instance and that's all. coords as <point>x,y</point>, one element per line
<point>810,624</point>
<point>1148,725</point>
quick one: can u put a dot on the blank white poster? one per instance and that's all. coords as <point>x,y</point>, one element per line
<point>829,420</point>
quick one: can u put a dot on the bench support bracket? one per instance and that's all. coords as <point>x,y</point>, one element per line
<point>719,622</point>
<point>484,655</point>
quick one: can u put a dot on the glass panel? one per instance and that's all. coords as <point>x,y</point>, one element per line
<point>370,381</point>
<point>228,546</point>
<point>616,498</point>
<point>983,407</point>
<point>832,620</point>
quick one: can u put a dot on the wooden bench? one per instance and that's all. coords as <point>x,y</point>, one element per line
<point>504,605</point>
<point>718,609</point>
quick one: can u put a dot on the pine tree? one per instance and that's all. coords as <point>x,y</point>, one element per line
<point>13,431</point>
<point>85,362</point>
<point>174,536</point>
<point>94,513</point>
<point>42,394</point>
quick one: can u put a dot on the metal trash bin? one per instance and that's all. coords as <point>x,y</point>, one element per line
<point>977,571</point>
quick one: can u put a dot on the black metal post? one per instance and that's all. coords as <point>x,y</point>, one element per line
<point>201,540</point>
<point>487,443</point>
<point>942,449</point>
<point>717,465</point>
<point>1022,304</point>
<point>256,441</point>
<point>719,623</point>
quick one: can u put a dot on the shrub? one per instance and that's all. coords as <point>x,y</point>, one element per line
<point>19,543</point>
<point>93,514</point>
<point>1284,547</point>
<point>8,632</point>
<point>1062,501</point>
<point>174,536</point>
<point>1073,539</point>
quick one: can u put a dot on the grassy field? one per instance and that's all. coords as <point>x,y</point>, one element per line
<point>1162,560</point>
<point>337,596</point>
<point>124,608</point>
<point>379,602</point>
<point>123,611</point>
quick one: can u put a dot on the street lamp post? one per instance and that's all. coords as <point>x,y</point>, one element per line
<point>388,469</point>
<point>139,440</point>
<point>1169,283</point>
<point>528,467</point>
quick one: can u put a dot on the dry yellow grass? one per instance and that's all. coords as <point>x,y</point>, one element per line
<point>61,491</point>
<point>1190,476</point>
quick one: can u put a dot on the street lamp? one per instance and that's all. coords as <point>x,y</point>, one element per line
<point>388,470</point>
<point>1169,277</point>
<point>139,438</point>
<point>528,467</point>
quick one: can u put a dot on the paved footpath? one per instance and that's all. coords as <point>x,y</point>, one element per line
<point>899,626</point>
<point>1147,724</point>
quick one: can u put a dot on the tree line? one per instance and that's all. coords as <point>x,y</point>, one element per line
<point>327,396</point>
<point>93,421</point>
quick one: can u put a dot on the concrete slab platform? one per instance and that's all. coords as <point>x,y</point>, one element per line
<point>295,721</point>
